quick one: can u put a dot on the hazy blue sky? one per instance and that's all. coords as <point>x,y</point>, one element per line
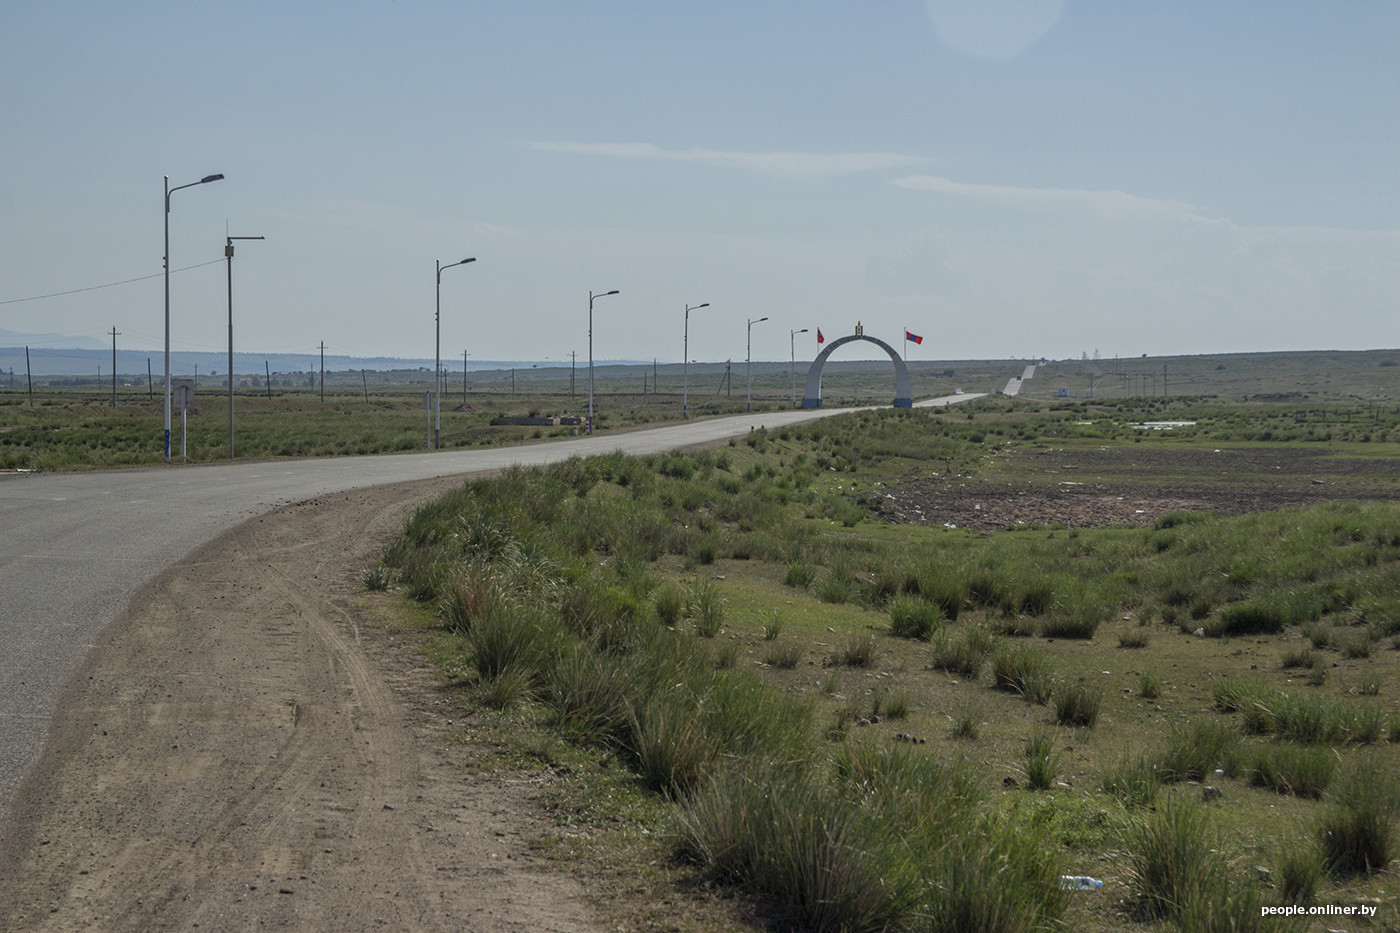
<point>1008,178</point>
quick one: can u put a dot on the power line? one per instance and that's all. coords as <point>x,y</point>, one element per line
<point>93,288</point>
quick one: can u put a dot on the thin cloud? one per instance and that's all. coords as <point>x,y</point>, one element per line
<point>791,164</point>
<point>1108,203</point>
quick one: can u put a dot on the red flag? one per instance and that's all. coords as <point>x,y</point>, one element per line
<point>914,337</point>
<point>820,338</point>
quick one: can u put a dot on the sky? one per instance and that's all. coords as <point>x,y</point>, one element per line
<point>1008,179</point>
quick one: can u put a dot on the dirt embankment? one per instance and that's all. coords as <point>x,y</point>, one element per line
<point>240,750</point>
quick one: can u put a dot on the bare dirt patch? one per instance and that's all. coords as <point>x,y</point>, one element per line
<point>1135,484</point>
<point>242,749</point>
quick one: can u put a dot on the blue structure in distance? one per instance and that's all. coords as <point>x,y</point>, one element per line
<point>812,393</point>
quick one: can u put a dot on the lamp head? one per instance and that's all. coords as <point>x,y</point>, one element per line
<point>208,178</point>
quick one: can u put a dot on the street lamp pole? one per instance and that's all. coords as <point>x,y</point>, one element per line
<point>591,296</point>
<point>748,358</point>
<point>168,192</point>
<point>437,353</point>
<point>228,255</point>
<point>792,349</point>
<point>685,384</point>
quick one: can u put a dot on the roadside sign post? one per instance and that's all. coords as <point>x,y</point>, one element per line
<point>182,394</point>
<point>427,405</point>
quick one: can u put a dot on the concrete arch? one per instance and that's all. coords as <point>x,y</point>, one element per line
<point>812,394</point>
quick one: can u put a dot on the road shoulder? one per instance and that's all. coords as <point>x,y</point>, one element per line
<point>242,748</point>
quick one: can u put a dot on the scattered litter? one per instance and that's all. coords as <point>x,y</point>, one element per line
<point>1079,883</point>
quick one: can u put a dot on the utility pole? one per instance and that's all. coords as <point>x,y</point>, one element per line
<point>573,364</point>
<point>267,378</point>
<point>228,259</point>
<point>150,385</point>
<point>1164,380</point>
<point>464,377</point>
<point>29,374</point>
<point>323,372</point>
<point>115,332</point>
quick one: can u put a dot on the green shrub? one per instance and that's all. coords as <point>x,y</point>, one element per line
<point>1357,832</point>
<point>783,656</point>
<point>800,574</point>
<point>995,878</point>
<point>669,600</point>
<point>670,745</point>
<point>783,834</point>
<point>1290,769</point>
<point>1134,640</point>
<point>1041,760</point>
<point>913,617</point>
<point>859,651</point>
<point>1300,868</point>
<point>1250,618</point>
<point>508,686</point>
<point>1299,657</point>
<point>1133,780</point>
<point>1356,647</point>
<point>1240,693</point>
<point>515,642</point>
<point>708,610</point>
<point>1174,861</point>
<point>1021,670</point>
<point>1081,625</point>
<point>1196,749</point>
<point>964,656</point>
<point>836,588</point>
<point>378,578</point>
<point>1149,685</point>
<point>1036,597</point>
<point>588,695</point>
<point>967,723</point>
<point>1077,704</point>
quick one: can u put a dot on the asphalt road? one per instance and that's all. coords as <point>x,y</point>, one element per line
<point>74,546</point>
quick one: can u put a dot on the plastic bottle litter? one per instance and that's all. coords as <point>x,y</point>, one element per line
<point>1080,883</point>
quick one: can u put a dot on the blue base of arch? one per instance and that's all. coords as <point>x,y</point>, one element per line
<point>811,403</point>
<point>904,403</point>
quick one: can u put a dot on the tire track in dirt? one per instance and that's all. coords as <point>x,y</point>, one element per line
<point>241,750</point>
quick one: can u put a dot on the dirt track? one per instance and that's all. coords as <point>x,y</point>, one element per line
<point>242,750</point>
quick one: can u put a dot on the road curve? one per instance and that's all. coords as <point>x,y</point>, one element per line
<point>76,545</point>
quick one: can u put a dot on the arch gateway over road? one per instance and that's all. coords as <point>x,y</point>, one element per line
<point>812,393</point>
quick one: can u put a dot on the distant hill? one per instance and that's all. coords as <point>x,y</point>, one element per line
<point>10,338</point>
<point>59,355</point>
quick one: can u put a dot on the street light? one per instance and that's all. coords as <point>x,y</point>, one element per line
<point>792,348</point>
<point>228,255</point>
<point>437,353</point>
<point>748,358</point>
<point>685,384</point>
<point>591,296</point>
<point>168,192</point>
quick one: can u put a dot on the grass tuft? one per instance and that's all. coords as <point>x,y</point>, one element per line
<point>913,617</point>
<point>1077,704</point>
